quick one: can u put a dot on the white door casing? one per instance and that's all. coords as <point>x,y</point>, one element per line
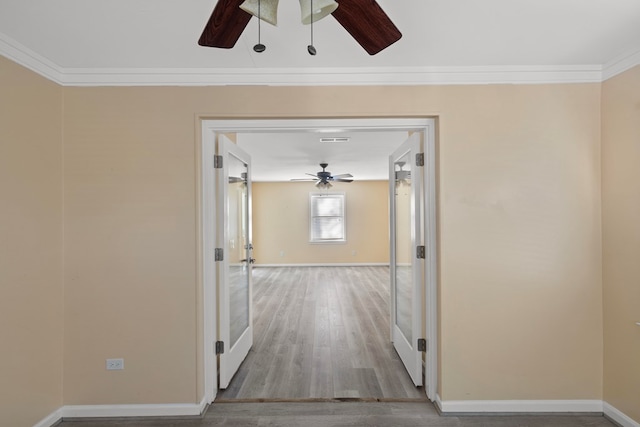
<point>211,128</point>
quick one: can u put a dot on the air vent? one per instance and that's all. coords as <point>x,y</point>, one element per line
<point>335,139</point>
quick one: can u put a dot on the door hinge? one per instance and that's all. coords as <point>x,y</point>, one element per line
<point>420,159</point>
<point>217,162</point>
<point>422,344</point>
<point>219,347</point>
<point>219,254</point>
<point>421,252</point>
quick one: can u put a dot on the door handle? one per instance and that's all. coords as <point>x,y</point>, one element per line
<point>251,260</point>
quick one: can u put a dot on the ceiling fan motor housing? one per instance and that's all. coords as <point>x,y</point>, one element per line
<point>325,175</point>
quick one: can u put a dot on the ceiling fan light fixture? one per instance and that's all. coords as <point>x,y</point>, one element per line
<point>320,9</point>
<point>324,185</point>
<point>266,10</point>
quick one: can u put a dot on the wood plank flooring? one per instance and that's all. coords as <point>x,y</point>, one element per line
<point>321,332</point>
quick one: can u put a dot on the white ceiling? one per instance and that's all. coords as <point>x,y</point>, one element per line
<point>95,42</point>
<point>285,156</point>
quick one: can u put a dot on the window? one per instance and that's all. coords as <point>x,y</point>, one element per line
<point>327,218</point>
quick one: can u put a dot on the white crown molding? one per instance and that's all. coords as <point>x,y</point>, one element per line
<point>387,76</point>
<point>621,64</point>
<point>619,417</point>
<point>24,56</point>
<point>333,76</point>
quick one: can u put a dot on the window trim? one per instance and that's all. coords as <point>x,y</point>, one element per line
<point>343,240</point>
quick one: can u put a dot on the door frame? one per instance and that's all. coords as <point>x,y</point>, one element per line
<point>206,208</point>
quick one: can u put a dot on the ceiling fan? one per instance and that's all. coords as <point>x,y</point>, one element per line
<point>324,178</point>
<point>365,20</point>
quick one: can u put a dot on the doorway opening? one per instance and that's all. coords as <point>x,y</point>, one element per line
<point>211,129</point>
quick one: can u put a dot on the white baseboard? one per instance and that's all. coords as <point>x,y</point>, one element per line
<point>118,411</point>
<point>364,264</point>
<point>619,417</point>
<point>50,419</point>
<point>452,407</point>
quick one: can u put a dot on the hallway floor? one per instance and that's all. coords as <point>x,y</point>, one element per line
<point>321,332</point>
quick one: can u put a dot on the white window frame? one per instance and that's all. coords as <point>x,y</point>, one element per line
<point>315,195</point>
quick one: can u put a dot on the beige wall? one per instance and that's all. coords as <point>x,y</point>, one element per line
<point>621,240</point>
<point>130,246</point>
<point>519,225</point>
<point>31,310</point>
<point>520,242</point>
<point>281,224</point>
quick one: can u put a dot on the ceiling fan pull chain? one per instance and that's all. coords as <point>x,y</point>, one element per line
<point>310,48</point>
<point>259,47</point>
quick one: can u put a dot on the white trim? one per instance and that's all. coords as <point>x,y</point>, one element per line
<point>118,411</point>
<point>50,419</point>
<point>152,410</point>
<point>391,76</point>
<point>619,417</point>
<point>326,264</point>
<point>452,407</point>
<point>438,402</point>
<point>431,263</point>
<point>357,76</point>
<point>210,127</point>
<point>208,270</point>
<point>620,64</point>
<point>26,57</point>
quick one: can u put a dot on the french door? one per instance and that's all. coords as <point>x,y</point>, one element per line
<point>407,253</point>
<point>234,253</point>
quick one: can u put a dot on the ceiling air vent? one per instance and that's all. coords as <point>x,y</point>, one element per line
<point>336,139</point>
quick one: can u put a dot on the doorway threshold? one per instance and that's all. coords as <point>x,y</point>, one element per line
<point>327,400</point>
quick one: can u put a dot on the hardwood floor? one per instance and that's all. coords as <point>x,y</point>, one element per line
<point>321,332</point>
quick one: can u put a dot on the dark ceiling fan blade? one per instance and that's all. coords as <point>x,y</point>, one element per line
<point>367,23</point>
<point>312,174</point>
<point>226,24</point>
<point>342,180</point>
<point>304,179</point>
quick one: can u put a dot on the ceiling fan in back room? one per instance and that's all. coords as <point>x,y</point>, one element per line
<point>324,178</point>
<point>365,20</point>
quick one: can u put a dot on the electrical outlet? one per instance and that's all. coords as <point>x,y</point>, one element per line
<point>281,253</point>
<point>115,364</point>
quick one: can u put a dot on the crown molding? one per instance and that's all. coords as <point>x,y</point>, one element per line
<point>26,57</point>
<point>620,64</point>
<point>383,76</point>
<point>333,76</point>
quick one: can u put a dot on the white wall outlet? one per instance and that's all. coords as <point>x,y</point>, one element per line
<point>115,364</point>
<point>281,253</point>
